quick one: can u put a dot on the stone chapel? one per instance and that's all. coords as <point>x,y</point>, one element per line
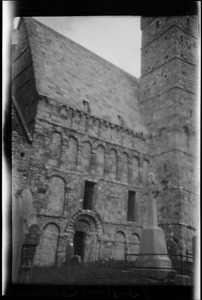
<point>85,134</point>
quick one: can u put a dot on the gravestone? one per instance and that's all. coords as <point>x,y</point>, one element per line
<point>153,258</point>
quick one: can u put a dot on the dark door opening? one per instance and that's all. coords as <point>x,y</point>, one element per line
<point>88,195</point>
<point>79,246</point>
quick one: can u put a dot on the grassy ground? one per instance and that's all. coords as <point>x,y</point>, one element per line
<point>94,273</point>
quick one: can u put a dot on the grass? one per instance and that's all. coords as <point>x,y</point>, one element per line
<point>92,273</point>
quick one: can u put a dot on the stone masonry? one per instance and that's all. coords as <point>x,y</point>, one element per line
<point>168,101</point>
<point>86,134</point>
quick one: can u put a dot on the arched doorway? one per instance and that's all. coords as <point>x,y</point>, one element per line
<point>84,240</point>
<point>86,229</point>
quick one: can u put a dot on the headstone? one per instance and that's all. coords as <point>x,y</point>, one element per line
<point>153,256</point>
<point>76,260</point>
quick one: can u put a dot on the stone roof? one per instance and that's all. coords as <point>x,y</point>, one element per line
<point>70,74</point>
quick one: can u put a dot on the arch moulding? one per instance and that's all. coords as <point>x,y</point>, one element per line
<point>87,213</point>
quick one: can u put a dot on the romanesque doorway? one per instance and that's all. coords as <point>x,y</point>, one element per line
<point>85,231</point>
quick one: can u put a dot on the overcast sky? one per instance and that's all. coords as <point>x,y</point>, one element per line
<point>117,39</point>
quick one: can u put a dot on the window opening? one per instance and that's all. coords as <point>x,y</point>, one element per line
<point>157,24</point>
<point>88,195</point>
<point>86,105</point>
<point>120,120</point>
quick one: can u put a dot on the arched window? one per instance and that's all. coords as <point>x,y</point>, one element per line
<point>55,149</point>
<point>145,170</point>
<point>100,160</point>
<point>135,170</point>
<point>86,159</point>
<point>135,239</point>
<point>46,250</point>
<point>56,195</point>
<point>113,164</point>
<point>70,155</point>
<point>125,167</point>
<point>63,111</point>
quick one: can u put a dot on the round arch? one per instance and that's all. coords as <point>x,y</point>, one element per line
<point>91,216</point>
<point>84,233</point>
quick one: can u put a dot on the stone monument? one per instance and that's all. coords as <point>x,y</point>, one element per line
<point>153,258</point>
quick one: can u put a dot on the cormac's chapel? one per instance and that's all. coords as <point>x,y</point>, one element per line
<point>85,134</point>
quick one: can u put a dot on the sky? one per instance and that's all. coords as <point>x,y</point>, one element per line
<point>115,38</point>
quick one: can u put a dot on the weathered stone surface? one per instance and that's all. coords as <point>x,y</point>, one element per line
<point>55,196</point>
<point>167,100</point>
<point>46,250</point>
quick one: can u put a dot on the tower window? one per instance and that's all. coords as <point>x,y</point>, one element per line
<point>132,213</point>
<point>157,24</point>
<point>88,195</point>
<point>120,120</point>
<point>86,106</point>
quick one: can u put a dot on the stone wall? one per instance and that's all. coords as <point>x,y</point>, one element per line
<point>168,97</point>
<point>68,153</point>
<point>86,126</point>
<point>21,158</point>
<point>74,76</point>
<point>84,117</point>
<point>23,81</point>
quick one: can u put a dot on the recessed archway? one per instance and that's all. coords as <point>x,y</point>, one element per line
<point>85,229</point>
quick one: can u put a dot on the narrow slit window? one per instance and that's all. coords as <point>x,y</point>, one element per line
<point>157,24</point>
<point>86,106</point>
<point>120,120</point>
